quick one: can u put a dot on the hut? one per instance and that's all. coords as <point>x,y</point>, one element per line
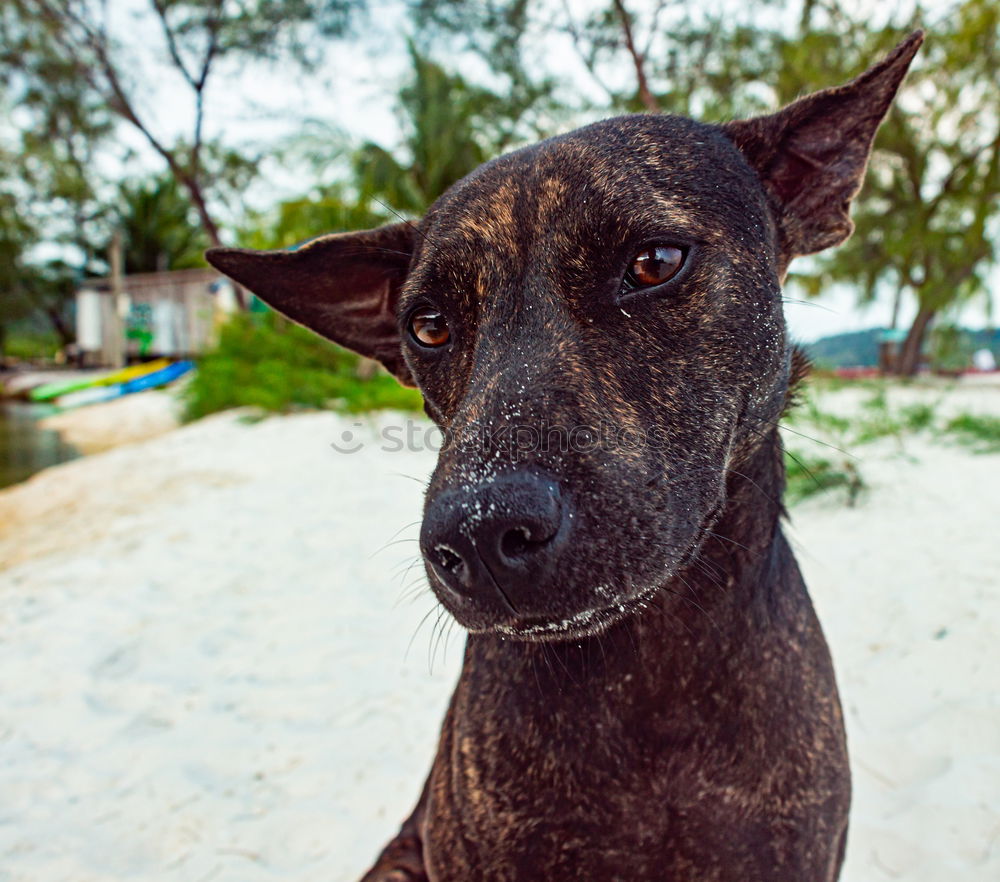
<point>168,314</point>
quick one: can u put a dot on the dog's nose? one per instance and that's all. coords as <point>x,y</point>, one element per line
<point>494,540</point>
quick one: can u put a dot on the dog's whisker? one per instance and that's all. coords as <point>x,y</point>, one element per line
<point>418,559</point>
<point>436,635</point>
<point>412,592</point>
<point>423,482</point>
<point>389,545</point>
<point>420,624</point>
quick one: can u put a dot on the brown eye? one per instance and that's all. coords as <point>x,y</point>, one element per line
<point>655,265</point>
<point>428,327</point>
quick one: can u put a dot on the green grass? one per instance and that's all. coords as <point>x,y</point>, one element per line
<point>808,476</point>
<point>917,417</point>
<point>264,362</point>
<point>839,435</point>
<point>981,433</point>
<point>836,437</point>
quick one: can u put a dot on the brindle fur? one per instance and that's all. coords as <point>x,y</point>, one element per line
<point>660,704</point>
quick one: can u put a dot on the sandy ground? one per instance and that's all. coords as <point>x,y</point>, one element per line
<point>206,671</point>
<point>136,417</point>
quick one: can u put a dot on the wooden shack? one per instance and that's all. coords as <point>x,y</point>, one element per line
<point>169,314</point>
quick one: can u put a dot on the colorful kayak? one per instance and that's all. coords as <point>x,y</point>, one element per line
<point>94,395</point>
<point>48,391</point>
<point>159,378</point>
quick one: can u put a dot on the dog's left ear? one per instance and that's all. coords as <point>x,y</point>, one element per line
<point>812,154</point>
<point>344,287</point>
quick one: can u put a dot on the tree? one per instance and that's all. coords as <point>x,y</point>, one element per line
<point>157,230</point>
<point>199,36</point>
<point>926,219</point>
<point>42,189</point>
<point>14,235</point>
<point>28,289</point>
<point>324,209</point>
<point>479,124</point>
<point>647,56</point>
<point>54,126</point>
<point>375,183</point>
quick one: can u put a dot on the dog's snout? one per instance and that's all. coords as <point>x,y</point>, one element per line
<point>490,543</point>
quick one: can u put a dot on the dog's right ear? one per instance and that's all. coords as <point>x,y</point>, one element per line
<point>344,287</point>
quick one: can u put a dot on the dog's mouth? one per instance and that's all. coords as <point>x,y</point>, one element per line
<point>540,590</point>
<point>578,626</point>
<point>621,604</point>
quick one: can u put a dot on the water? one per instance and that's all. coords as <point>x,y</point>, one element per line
<point>25,448</point>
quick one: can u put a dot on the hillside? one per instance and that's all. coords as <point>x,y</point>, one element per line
<point>860,348</point>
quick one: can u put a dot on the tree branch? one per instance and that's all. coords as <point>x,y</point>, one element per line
<point>588,62</point>
<point>172,48</point>
<point>638,60</point>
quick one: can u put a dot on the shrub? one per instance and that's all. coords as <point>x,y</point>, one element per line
<point>266,362</point>
<point>31,346</point>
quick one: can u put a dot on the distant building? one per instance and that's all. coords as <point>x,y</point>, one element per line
<point>172,314</point>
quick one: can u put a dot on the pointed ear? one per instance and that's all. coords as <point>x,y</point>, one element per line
<point>344,287</point>
<point>811,155</point>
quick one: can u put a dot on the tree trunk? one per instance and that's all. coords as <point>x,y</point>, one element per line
<point>65,333</point>
<point>193,186</point>
<point>909,357</point>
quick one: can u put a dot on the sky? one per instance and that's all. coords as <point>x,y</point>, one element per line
<point>353,90</point>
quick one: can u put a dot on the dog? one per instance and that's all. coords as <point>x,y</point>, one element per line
<point>646,691</point>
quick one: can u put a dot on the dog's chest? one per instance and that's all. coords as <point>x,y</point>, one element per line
<point>633,776</point>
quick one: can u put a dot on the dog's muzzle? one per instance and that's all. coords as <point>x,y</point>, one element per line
<point>492,545</point>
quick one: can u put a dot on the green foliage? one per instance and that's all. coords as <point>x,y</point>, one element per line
<point>926,219</point>
<point>265,362</point>
<point>876,420</point>
<point>823,441</point>
<point>326,209</point>
<point>16,234</point>
<point>982,433</point>
<point>53,137</point>
<point>158,231</point>
<point>498,32</point>
<point>30,346</point>
<point>478,123</point>
<point>873,419</point>
<point>951,348</point>
<point>379,184</point>
<point>69,56</point>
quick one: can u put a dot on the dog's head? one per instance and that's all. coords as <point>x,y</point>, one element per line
<point>596,322</point>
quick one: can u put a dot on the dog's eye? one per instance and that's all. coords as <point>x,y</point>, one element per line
<point>428,327</point>
<point>654,265</point>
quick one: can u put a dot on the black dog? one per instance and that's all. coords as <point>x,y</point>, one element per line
<point>646,691</point>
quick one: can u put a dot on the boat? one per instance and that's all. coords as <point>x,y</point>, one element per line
<point>96,394</point>
<point>49,391</point>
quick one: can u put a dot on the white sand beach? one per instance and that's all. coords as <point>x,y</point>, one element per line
<point>207,671</point>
